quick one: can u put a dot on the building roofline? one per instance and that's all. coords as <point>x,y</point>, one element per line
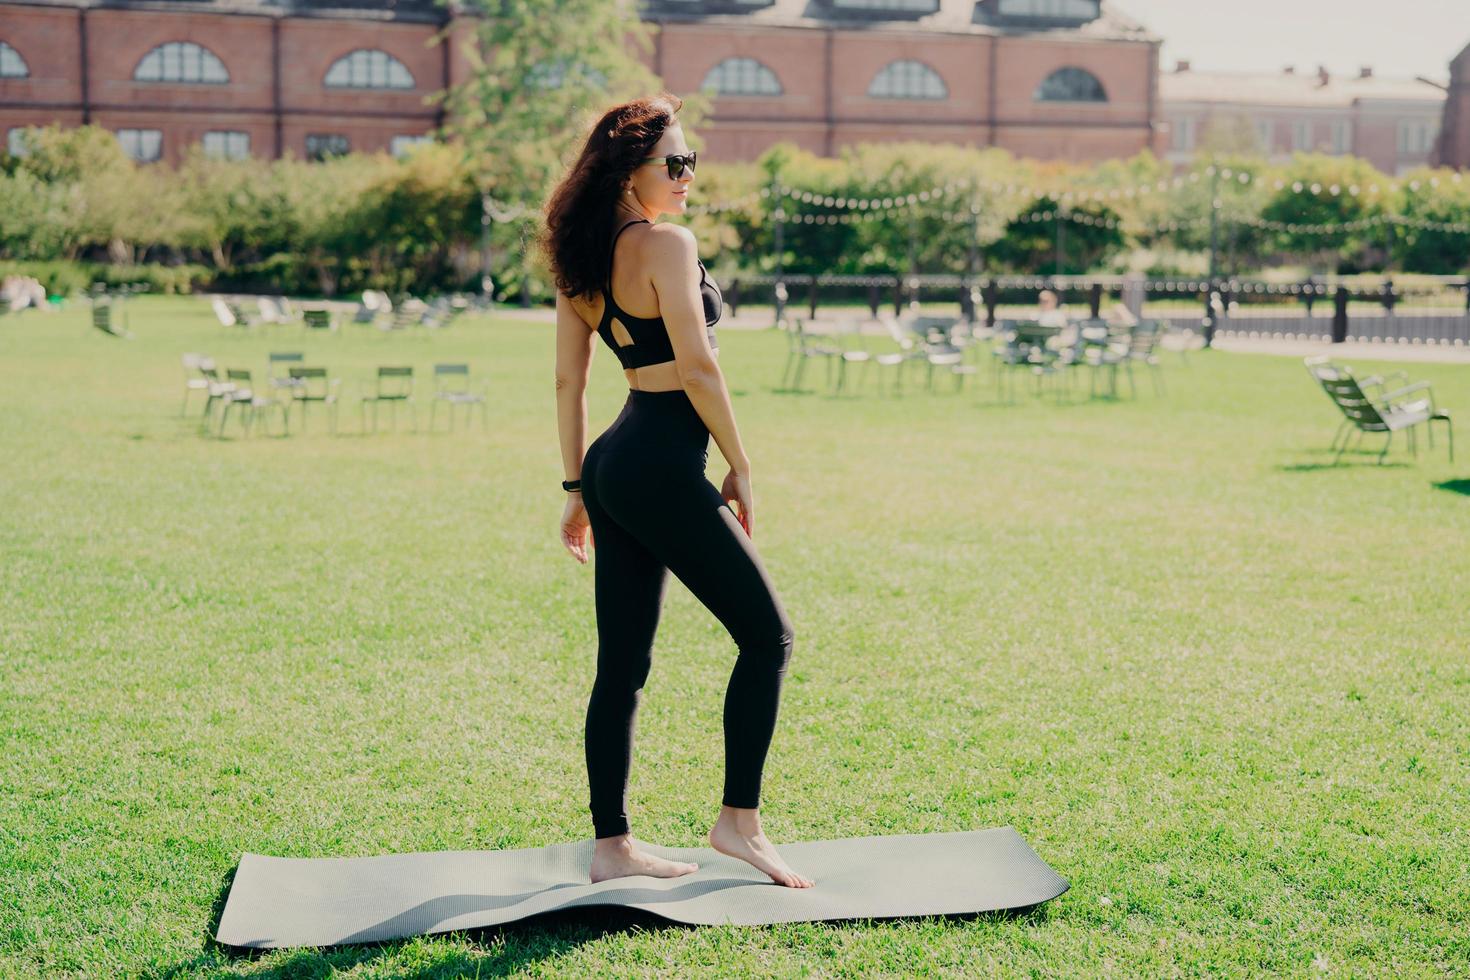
<point>275,9</point>
<point>951,17</point>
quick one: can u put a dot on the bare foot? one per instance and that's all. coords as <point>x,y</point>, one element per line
<point>738,833</point>
<point>618,857</point>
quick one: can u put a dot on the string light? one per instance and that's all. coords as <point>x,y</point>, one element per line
<point>872,208</point>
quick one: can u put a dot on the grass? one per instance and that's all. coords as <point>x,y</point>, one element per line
<point>1219,685</point>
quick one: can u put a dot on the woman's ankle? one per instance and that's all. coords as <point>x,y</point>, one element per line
<point>746,820</point>
<point>619,842</point>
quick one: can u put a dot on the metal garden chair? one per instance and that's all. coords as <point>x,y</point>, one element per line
<point>1368,406</point>
<point>274,311</point>
<point>394,385</point>
<point>318,319</point>
<point>104,318</point>
<point>199,375</point>
<point>452,387</point>
<point>374,302</point>
<point>315,387</point>
<point>1110,350</point>
<point>1143,345</point>
<point>1024,347</point>
<point>241,392</point>
<point>277,379</point>
<point>802,345</point>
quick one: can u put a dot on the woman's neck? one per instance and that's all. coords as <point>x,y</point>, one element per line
<point>627,211</point>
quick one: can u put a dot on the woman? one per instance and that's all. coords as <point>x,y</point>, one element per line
<point>639,495</point>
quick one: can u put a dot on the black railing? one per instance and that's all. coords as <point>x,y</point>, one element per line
<point>1432,310</point>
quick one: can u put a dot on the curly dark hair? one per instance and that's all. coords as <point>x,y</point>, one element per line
<point>579,214</point>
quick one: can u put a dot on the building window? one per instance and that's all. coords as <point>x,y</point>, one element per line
<point>741,76</point>
<point>1416,136</point>
<point>401,145</point>
<point>368,68</point>
<point>143,145</point>
<point>904,6</point>
<point>1049,9</point>
<point>1071,85</point>
<point>16,143</point>
<point>181,61</point>
<point>320,146</point>
<point>1266,134</point>
<point>12,65</point>
<point>227,144</point>
<point>1301,136</point>
<point>1342,136</point>
<point>1183,134</point>
<point>907,79</point>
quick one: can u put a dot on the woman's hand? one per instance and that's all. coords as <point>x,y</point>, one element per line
<point>737,490</point>
<point>575,527</point>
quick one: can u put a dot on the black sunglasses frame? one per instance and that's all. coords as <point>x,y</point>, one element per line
<point>676,162</point>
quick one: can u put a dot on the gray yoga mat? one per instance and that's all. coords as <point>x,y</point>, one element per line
<point>279,902</point>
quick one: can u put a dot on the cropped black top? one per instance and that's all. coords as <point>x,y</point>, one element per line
<point>650,335</point>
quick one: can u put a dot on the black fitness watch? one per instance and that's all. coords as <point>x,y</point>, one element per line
<point>570,485</point>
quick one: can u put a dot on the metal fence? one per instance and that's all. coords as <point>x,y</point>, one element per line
<point>1426,309</point>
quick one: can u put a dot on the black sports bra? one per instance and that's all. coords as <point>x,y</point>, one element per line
<point>650,335</point>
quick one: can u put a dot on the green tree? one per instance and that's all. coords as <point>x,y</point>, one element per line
<point>1437,196</point>
<point>540,71</point>
<point>1089,235</point>
<point>219,205</point>
<point>1319,190</point>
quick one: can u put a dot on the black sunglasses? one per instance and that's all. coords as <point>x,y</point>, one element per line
<point>676,162</point>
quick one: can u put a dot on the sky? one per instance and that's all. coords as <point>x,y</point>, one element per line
<point>1397,37</point>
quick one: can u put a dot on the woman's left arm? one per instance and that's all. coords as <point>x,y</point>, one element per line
<point>574,350</point>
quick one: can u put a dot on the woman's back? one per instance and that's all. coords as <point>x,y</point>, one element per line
<point>630,321</point>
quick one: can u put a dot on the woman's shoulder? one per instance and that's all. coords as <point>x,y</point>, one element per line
<point>670,246</point>
<point>669,235</point>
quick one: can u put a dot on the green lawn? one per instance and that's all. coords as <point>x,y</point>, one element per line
<point>1217,684</point>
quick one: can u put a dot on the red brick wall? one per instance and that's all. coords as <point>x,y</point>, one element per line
<point>1454,148</point>
<point>50,41</point>
<point>47,39</point>
<point>740,127</point>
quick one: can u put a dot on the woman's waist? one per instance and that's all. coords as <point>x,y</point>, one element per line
<point>661,414</point>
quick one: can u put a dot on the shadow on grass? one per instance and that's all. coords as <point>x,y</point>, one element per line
<point>1455,486</point>
<point>508,948</point>
<point>1352,459</point>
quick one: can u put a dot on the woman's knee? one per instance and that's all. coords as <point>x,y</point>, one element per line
<point>773,643</point>
<point>788,641</point>
<point>623,673</point>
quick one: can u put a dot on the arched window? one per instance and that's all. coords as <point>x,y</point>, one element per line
<point>1071,85</point>
<point>742,76</point>
<point>907,79</point>
<point>1079,10</point>
<point>368,68</point>
<point>12,65</point>
<point>181,61</point>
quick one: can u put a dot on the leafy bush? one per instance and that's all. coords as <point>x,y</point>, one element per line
<point>79,210</point>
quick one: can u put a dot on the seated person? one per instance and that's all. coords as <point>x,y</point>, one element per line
<point>1049,310</point>
<point>1050,314</point>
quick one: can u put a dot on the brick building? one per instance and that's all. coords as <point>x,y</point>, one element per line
<point>1454,141</point>
<point>243,76</point>
<point>1067,79</point>
<point>1390,122</point>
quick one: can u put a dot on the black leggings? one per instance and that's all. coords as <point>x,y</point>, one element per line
<point>652,510</point>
